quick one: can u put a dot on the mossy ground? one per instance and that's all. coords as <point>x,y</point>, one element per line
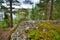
<point>45,31</point>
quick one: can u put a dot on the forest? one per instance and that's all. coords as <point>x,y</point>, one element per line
<point>32,21</point>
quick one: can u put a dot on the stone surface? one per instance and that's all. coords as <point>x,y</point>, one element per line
<point>19,33</point>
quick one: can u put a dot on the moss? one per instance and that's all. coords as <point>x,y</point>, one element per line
<point>46,31</point>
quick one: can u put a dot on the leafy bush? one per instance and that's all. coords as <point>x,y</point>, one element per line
<point>3,24</point>
<point>18,17</point>
<point>56,35</point>
<point>32,33</point>
<point>45,31</point>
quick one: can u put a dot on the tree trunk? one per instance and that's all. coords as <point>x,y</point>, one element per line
<point>51,9</point>
<point>47,17</point>
<point>11,19</point>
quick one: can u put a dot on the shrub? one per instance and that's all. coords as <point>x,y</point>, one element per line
<point>45,31</point>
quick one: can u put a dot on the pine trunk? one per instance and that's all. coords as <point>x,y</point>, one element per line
<point>11,19</point>
<point>47,17</point>
<point>51,9</point>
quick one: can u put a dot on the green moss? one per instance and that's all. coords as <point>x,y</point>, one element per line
<point>56,35</point>
<point>50,33</point>
<point>32,33</point>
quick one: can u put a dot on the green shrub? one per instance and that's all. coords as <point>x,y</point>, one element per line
<point>32,33</point>
<point>3,24</point>
<point>56,35</point>
<point>46,31</point>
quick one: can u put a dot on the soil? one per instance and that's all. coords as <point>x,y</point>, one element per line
<point>4,33</point>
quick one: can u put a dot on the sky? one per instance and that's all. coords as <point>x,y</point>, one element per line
<point>27,5</point>
<point>34,1</point>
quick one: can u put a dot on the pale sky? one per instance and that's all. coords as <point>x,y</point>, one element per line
<point>34,1</point>
<point>25,5</point>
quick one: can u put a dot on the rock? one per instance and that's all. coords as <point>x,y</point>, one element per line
<point>23,28</point>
